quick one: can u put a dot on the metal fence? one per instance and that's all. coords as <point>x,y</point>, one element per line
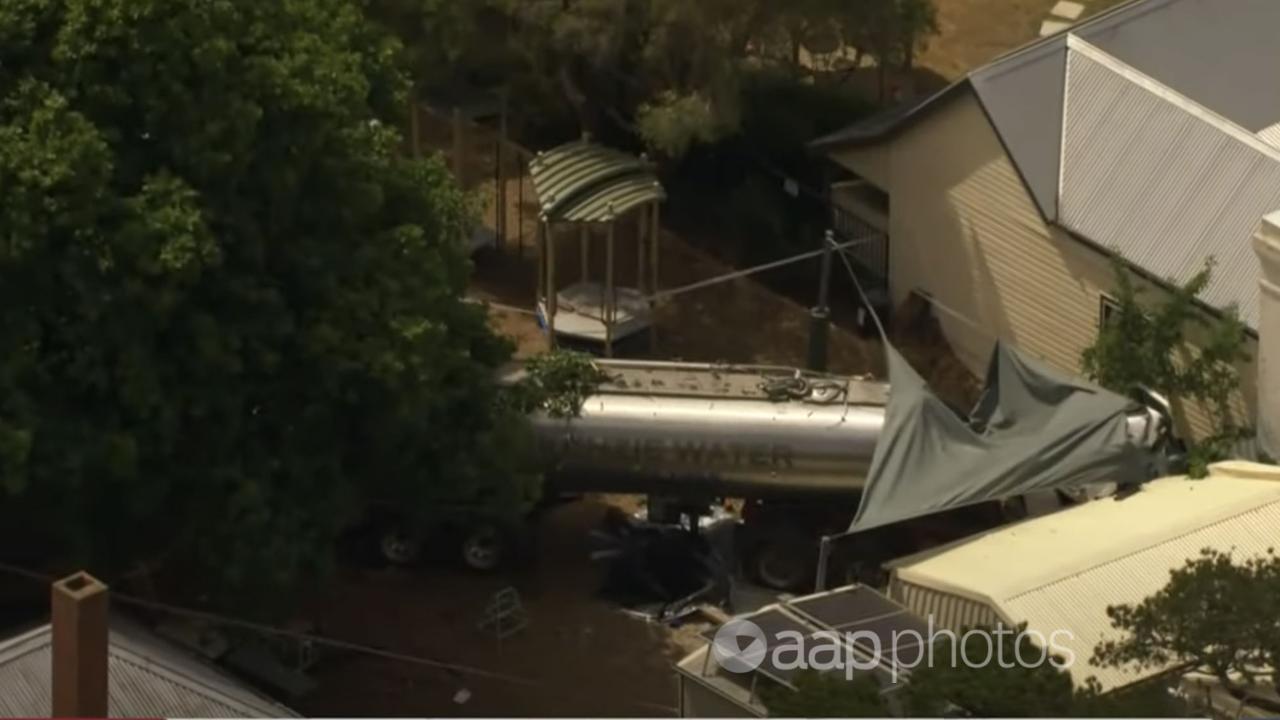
<point>485,163</point>
<point>872,255</point>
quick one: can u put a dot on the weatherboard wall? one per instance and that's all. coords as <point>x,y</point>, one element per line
<point>965,230</point>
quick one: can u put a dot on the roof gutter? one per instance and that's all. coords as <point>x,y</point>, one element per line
<point>835,141</point>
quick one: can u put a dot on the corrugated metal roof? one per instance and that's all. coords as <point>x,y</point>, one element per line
<point>1188,45</point>
<point>1061,571</point>
<point>1024,102</point>
<point>1123,140</point>
<point>584,182</point>
<point>148,678</point>
<point>1162,181</point>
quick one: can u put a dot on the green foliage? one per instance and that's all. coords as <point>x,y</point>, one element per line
<point>558,382</point>
<point>1020,679</point>
<point>668,72</point>
<point>1004,686</point>
<point>672,123</point>
<point>823,695</point>
<point>1215,616</point>
<point>231,308</point>
<point>1147,345</point>
<point>996,674</point>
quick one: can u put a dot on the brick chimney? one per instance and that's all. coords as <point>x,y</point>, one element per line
<point>79,609</point>
<point>1266,242</point>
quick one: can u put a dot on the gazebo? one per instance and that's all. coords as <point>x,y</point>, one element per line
<point>597,191</point>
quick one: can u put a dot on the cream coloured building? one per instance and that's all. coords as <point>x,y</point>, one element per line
<point>1058,573</point>
<point>1145,131</point>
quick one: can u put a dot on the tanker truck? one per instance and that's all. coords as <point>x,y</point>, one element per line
<point>790,447</point>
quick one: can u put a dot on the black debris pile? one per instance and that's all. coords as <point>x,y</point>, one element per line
<point>663,570</point>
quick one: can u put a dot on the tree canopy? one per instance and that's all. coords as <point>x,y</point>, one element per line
<point>667,71</point>
<point>999,674</point>
<point>1174,347</point>
<point>231,307</point>
<point>1215,616</point>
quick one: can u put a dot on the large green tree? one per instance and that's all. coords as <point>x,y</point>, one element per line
<point>1217,615</point>
<point>229,306</point>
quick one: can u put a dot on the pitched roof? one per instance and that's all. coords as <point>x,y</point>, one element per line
<point>1187,45</point>
<point>1163,180</point>
<point>149,677</point>
<point>1061,104</point>
<point>1061,571</point>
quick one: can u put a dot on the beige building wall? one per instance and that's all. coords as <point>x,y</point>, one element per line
<point>964,230</point>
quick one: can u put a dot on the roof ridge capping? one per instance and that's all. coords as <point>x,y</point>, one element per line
<point>1168,94</point>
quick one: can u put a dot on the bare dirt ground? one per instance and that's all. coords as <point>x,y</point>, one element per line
<point>578,656</point>
<point>739,321</point>
<point>972,32</point>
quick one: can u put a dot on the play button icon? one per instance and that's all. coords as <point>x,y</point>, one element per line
<point>739,646</point>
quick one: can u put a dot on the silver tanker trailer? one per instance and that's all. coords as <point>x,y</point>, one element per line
<point>794,446</point>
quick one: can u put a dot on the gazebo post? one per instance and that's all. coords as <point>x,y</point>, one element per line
<point>608,299</point>
<point>550,244</point>
<point>583,237</point>
<point>542,265</point>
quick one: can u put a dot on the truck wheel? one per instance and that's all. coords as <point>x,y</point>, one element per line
<point>784,561</point>
<point>483,548</point>
<point>398,545</point>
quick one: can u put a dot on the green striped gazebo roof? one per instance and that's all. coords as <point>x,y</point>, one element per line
<point>583,182</point>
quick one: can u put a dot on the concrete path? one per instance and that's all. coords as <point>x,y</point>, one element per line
<point>1061,17</point>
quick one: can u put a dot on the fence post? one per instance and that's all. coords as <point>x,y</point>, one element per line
<point>820,314</point>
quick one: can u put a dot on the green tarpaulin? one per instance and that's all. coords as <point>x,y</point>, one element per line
<point>1032,429</point>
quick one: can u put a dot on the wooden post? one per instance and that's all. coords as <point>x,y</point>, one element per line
<point>542,265</point>
<point>608,300</point>
<point>584,237</point>
<point>520,207</point>
<point>641,229</point>
<point>550,245</point>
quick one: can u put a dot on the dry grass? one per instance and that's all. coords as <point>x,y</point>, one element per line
<point>972,32</point>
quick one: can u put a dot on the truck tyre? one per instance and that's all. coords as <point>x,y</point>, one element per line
<point>784,559</point>
<point>398,545</point>
<point>483,548</point>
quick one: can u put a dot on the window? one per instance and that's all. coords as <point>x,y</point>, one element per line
<point>1107,308</point>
